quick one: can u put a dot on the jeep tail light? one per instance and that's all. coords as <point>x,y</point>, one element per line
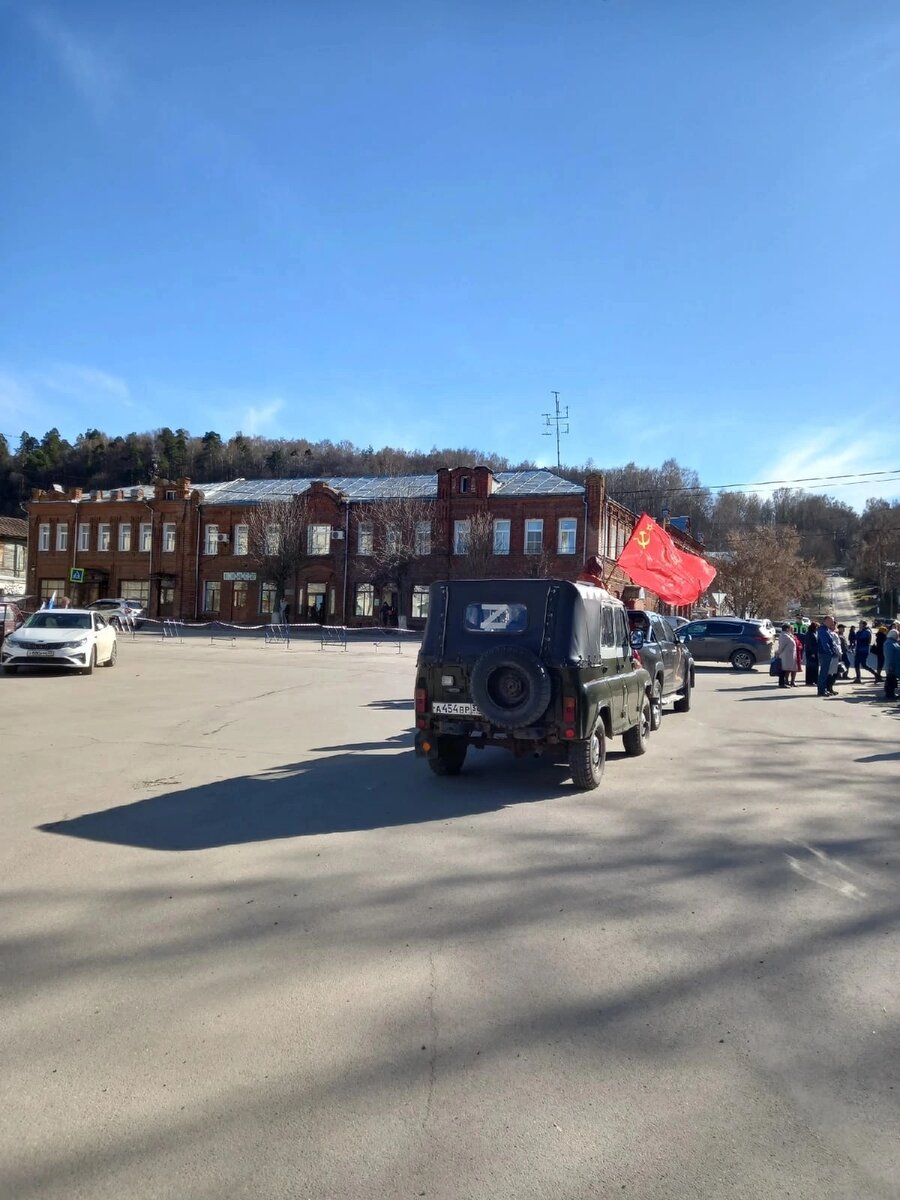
<point>421,700</point>
<point>569,710</point>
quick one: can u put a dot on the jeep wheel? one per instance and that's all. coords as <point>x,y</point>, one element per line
<point>635,739</point>
<point>587,759</point>
<point>511,686</point>
<point>656,706</point>
<point>743,660</point>
<point>451,754</point>
<point>684,704</point>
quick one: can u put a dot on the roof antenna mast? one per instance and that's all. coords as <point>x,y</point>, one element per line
<point>557,422</point>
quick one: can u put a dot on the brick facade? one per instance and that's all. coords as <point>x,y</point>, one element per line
<point>179,547</point>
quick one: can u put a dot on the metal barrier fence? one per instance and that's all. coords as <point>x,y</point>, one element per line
<point>341,637</point>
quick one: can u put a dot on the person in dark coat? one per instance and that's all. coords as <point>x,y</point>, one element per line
<point>878,651</point>
<point>811,648</point>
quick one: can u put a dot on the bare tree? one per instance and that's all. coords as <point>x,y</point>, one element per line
<point>763,574</point>
<point>878,549</point>
<point>276,535</point>
<point>404,529</point>
<point>480,556</point>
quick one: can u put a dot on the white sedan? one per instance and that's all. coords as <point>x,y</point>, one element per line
<point>61,637</point>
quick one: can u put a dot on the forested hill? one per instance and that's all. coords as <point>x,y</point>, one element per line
<point>828,528</point>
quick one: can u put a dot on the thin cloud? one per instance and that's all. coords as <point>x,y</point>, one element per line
<point>258,417</point>
<point>93,72</point>
<point>832,451</point>
<point>84,383</point>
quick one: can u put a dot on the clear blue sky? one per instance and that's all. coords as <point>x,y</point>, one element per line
<point>407,222</point>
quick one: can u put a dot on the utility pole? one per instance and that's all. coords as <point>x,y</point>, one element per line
<point>557,422</point>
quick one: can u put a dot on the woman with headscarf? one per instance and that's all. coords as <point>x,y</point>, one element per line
<point>811,646</point>
<point>787,652</point>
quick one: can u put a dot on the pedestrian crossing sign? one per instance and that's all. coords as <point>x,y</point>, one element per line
<point>76,574</point>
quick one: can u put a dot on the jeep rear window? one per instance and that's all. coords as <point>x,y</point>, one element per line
<point>496,618</point>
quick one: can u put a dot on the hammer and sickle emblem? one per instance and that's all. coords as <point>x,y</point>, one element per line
<point>643,539</point>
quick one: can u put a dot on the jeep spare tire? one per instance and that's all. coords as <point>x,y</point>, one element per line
<point>511,686</point>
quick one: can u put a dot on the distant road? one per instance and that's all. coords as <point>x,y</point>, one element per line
<point>841,601</point>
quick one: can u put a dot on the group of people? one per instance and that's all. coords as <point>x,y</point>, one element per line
<point>830,651</point>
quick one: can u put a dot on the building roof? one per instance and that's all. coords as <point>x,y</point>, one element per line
<point>13,527</point>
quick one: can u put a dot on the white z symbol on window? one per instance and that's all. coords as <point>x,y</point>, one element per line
<point>496,616</point>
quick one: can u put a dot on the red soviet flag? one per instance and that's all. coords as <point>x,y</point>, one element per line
<point>653,560</point>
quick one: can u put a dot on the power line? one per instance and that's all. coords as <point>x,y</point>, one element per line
<point>849,480</point>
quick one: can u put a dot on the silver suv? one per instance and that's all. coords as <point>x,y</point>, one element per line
<point>729,639</point>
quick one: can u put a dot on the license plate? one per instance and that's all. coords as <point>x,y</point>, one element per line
<point>40,653</point>
<point>455,709</point>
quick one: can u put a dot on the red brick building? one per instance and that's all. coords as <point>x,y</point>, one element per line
<point>184,550</point>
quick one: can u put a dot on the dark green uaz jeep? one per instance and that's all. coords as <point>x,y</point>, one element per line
<point>530,665</point>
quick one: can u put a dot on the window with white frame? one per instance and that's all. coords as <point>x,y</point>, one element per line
<point>501,536</point>
<point>423,538</point>
<point>267,598</point>
<point>567,536</point>
<point>211,541</point>
<point>420,600</point>
<point>103,536</point>
<point>135,589</point>
<point>49,586</point>
<point>62,537</point>
<point>318,539</point>
<point>124,535</point>
<point>146,536</point>
<point>365,538</point>
<point>461,537</point>
<point>365,600</point>
<point>391,539</point>
<point>273,539</point>
<point>212,596</point>
<point>168,544</point>
<point>43,537</point>
<point>534,536</point>
<point>84,536</point>
<point>241,539</point>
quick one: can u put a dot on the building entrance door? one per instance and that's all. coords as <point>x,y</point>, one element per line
<point>166,604</point>
<point>316,604</point>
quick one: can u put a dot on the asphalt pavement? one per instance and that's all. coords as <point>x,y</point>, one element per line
<point>251,948</point>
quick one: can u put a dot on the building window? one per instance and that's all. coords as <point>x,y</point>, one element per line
<point>125,535</point>
<point>239,592</point>
<point>534,536</point>
<point>170,495</point>
<point>241,539</point>
<point>464,484</point>
<point>501,537</point>
<point>273,539</point>
<point>365,542</point>
<point>43,537</point>
<point>365,599</point>
<point>49,586</point>
<point>135,589</point>
<point>420,600</point>
<point>318,539</point>
<point>568,532</point>
<point>267,598</point>
<point>62,537</point>
<point>103,536</point>
<point>460,537</point>
<point>212,595</point>
<point>84,537</point>
<point>392,539</point>
<point>146,536</point>
<point>423,538</point>
<point>169,537</point>
<point>211,540</point>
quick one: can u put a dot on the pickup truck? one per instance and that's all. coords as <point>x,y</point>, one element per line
<point>668,661</point>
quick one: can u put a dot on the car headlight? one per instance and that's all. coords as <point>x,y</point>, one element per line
<point>12,640</point>
<point>76,645</point>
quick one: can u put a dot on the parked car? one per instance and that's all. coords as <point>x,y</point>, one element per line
<point>677,622</point>
<point>11,617</point>
<point>121,614</point>
<point>667,660</point>
<point>729,639</point>
<point>531,666</point>
<point>61,637</point>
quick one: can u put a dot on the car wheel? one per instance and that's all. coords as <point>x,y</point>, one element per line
<point>511,686</point>
<point>684,704</point>
<point>92,662</point>
<point>113,655</point>
<point>743,660</point>
<point>451,754</point>
<point>656,706</point>
<point>635,739</point>
<point>588,758</point>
